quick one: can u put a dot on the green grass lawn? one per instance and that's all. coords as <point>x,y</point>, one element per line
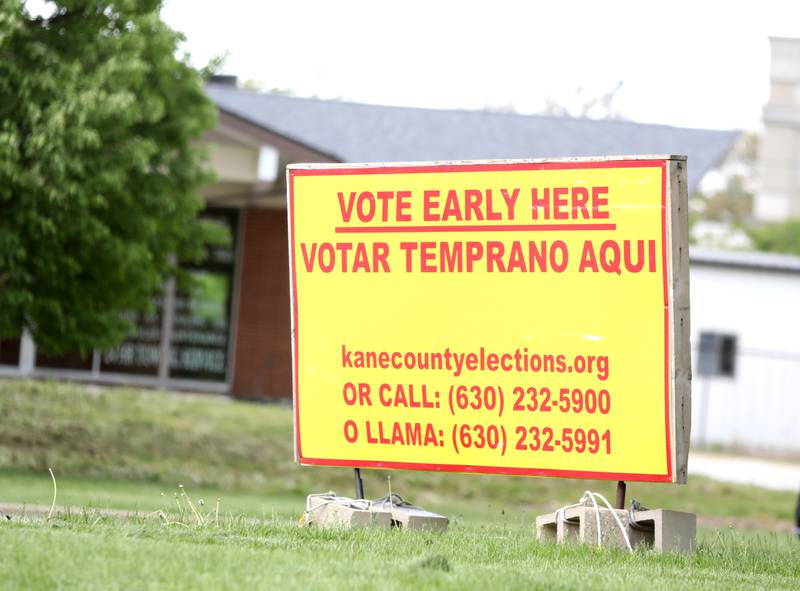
<point>117,448</point>
<point>88,552</point>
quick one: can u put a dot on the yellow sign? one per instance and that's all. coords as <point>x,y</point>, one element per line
<point>509,317</point>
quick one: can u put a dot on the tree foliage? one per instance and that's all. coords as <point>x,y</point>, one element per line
<point>732,202</point>
<point>777,237</point>
<point>99,169</point>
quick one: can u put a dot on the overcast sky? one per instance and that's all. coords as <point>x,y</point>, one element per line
<point>693,63</point>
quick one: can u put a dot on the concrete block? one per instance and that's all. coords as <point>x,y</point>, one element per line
<point>332,511</point>
<point>547,528</point>
<point>410,517</point>
<point>578,525</point>
<point>661,529</point>
<point>673,531</point>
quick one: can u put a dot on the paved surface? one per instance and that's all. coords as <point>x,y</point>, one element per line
<point>771,474</point>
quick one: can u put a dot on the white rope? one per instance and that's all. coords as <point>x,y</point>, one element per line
<point>560,517</point>
<point>596,516</point>
<point>622,529</point>
<point>592,497</point>
<point>331,498</point>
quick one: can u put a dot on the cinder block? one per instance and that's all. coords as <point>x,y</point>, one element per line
<point>579,525</point>
<point>333,511</point>
<point>673,531</point>
<point>411,517</point>
<point>546,528</point>
<point>664,530</point>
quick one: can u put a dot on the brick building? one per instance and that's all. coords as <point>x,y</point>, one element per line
<point>231,334</point>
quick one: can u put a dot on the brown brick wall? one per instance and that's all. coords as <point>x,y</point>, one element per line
<point>263,358</point>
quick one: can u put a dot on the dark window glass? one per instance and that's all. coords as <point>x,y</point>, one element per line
<point>200,328</point>
<point>73,360</point>
<point>9,352</point>
<point>717,354</point>
<point>201,320</point>
<point>140,352</point>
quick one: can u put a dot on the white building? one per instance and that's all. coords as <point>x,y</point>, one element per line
<point>745,315</point>
<point>779,154</point>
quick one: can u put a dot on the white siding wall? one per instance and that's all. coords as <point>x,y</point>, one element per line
<point>758,408</point>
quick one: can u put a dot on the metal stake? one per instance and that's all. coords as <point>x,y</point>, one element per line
<point>620,494</point>
<point>359,483</point>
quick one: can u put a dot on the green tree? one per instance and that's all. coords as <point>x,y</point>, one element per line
<point>733,202</point>
<point>99,167</point>
<point>777,237</point>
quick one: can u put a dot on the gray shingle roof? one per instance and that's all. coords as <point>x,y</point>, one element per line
<point>355,132</point>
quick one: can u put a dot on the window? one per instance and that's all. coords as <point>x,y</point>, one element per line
<point>73,360</point>
<point>199,333</point>
<point>139,354</point>
<point>9,352</point>
<point>201,318</point>
<point>717,354</point>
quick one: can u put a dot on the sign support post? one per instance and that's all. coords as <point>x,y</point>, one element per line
<point>359,483</point>
<point>620,504</point>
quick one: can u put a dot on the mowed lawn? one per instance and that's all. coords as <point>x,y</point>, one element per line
<point>125,449</point>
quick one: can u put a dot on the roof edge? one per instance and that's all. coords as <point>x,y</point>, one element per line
<point>603,158</point>
<point>745,259</point>
<point>277,134</point>
<point>479,111</point>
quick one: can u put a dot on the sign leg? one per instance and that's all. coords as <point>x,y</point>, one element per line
<point>621,486</point>
<point>359,484</point>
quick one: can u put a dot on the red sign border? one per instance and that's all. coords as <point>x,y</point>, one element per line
<point>329,170</point>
